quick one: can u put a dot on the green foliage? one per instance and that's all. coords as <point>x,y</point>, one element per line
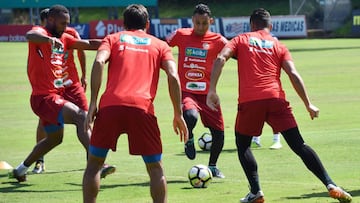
<point>330,69</point>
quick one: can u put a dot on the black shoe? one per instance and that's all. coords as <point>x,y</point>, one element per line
<point>216,172</point>
<point>107,170</point>
<point>190,149</point>
<point>15,174</point>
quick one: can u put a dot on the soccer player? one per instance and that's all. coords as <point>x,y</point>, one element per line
<point>126,106</point>
<point>198,48</point>
<point>262,99</point>
<point>74,91</point>
<point>49,78</point>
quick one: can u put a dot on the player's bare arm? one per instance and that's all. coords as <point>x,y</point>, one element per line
<point>179,124</point>
<point>82,60</point>
<point>38,37</point>
<point>212,99</point>
<point>299,86</point>
<point>95,84</point>
<point>91,44</point>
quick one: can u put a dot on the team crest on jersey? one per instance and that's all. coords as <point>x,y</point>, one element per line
<point>196,52</point>
<point>206,45</point>
<point>135,40</point>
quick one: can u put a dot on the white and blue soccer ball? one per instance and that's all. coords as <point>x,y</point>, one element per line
<point>200,176</point>
<point>205,141</point>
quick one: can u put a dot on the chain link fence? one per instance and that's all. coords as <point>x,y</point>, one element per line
<point>327,15</point>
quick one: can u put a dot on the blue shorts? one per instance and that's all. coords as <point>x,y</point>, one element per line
<point>102,153</point>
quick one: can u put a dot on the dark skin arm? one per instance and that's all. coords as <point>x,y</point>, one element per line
<point>212,99</point>
<point>38,37</point>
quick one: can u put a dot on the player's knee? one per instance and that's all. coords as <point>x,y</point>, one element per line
<point>217,135</point>
<point>55,138</point>
<point>79,116</point>
<point>191,117</point>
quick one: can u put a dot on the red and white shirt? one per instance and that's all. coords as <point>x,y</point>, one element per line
<point>45,69</point>
<point>134,68</point>
<point>196,57</point>
<point>260,58</point>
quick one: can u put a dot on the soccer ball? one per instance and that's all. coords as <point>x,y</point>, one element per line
<point>200,176</point>
<point>205,141</point>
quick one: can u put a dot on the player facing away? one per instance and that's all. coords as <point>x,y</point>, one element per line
<point>126,106</point>
<point>198,48</point>
<point>262,99</point>
<point>48,78</point>
<point>74,91</point>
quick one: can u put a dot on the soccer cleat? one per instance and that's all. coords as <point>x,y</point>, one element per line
<point>339,194</point>
<point>107,170</point>
<point>14,174</point>
<point>276,145</point>
<point>190,149</point>
<point>255,144</point>
<point>216,173</point>
<point>39,167</point>
<point>251,198</point>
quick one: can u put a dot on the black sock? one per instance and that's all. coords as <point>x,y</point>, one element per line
<point>216,146</point>
<point>307,154</point>
<point>247,161</point>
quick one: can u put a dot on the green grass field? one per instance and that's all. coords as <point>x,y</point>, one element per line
<point>331,71</point>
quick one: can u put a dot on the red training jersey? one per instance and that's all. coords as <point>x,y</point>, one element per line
<point>133,70</point>
<point>69,58</point>
<point>260,57</point>
<point>196,57</point>
<point>45,64</point>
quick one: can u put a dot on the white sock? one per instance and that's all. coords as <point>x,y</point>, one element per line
<point>330,186</point>
<point>22,169</point>
<point>276,137</point>
<point>256,139</point>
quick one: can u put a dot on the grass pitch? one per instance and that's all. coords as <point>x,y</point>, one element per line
<point>330,69</point>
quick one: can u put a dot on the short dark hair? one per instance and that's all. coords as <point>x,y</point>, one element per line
<point>202,9</point>
<point>260,17</point>
<point>57,10</point>
<point>44,14</point>
<point>135,17</point>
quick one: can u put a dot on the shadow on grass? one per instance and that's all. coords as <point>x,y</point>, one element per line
<point>143,184</point>
<point>208,152</point>
<point>353,193</point>
<point>15,187</point>
<point>55,172</point>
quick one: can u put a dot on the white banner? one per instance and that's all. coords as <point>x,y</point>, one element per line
<point>283,26</point>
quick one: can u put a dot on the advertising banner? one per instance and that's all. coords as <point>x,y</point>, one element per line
<point>13,33</point>
<point>100,28</point>
<point>283,26</point>
<point>356,22</point>
<point>163,27</point>
<point>82,29</point>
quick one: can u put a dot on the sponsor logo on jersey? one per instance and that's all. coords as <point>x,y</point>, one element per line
<point>195,52</point>
<point>194,74</point>
<point>193,65</point>
<point>265,44</point>
<point>135,40</point>
<point>196,86</point>
<point>194,60</point>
